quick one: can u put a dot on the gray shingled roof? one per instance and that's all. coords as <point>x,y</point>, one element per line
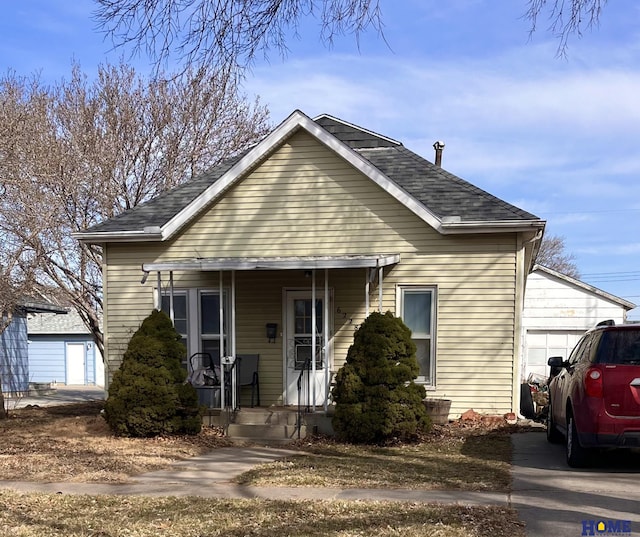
<point>51,323</point>
<point>441,192</point>
<point>161,209</point>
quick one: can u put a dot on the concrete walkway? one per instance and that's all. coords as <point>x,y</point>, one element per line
<point>210,476</point>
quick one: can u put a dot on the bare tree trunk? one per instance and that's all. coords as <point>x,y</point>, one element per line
<point>3,411</point>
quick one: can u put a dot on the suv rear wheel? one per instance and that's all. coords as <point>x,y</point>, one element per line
<point>577,456</point>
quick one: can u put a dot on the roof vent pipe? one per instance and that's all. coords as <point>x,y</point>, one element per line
<point>438,146</point>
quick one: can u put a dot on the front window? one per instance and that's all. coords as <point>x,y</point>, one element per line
<point>417,309</point>
<point>196,317</point>
<point>210,325</point>
<point>179,311</point>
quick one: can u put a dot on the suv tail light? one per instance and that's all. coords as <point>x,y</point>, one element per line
<point>593,382</point>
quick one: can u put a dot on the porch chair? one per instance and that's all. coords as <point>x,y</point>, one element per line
<point>248,375</point>
<point>204,376</point>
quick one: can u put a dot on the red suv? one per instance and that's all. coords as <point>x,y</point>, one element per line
<point>594,396</point>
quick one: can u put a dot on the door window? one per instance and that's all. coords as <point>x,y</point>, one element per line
<point>303,332</point>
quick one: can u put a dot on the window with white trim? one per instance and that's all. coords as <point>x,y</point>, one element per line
<point>196,317</point>
<point>417,310</point>
<point>179,312</point>
<point>210,324</point>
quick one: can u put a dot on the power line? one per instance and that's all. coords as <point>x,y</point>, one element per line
<point>604,211</point>
<point>612,272</point>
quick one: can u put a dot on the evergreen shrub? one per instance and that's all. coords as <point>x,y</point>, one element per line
<point>148,395</point>
<point>375,394</point>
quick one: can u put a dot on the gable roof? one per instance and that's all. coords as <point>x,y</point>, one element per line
<point>554,274</point>
<point>445,202</point>
<point>55,324</point>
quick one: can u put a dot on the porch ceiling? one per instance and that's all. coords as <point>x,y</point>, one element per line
<point>275,263</point>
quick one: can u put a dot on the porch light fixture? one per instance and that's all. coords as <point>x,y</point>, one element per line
<point>145,275</point>
<point>272,331</point>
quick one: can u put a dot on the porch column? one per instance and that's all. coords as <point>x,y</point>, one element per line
<point>232,330</point>
<point>380,276</point>
<point>313,340</point>
<point>171,313</point>
<point>221,346</point>
<point>366,292</point>
<point>325,330</point>
<point>159,293</point>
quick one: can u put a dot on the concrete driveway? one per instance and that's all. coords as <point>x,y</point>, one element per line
<point>555,500</point>
<point>60,396</point>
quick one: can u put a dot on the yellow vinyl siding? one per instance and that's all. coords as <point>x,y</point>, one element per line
<point>304,200</point>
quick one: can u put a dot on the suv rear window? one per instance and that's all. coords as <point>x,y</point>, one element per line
<point>619,347</point>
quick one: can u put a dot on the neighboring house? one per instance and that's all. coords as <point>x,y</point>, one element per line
<point>558,310</point>
<point>284,250</point>
<point>62,351</point>
<point>14,348</point>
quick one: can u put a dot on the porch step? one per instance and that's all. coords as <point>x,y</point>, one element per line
<point>265,434</point>
<point>270,425</point>
<point>265,416</point>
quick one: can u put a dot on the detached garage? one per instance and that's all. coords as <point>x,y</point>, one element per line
<point>61,351</point>
<point>558,309</point>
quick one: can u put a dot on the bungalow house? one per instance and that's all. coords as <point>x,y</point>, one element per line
<point>284,250</point>
<point>558,310</point>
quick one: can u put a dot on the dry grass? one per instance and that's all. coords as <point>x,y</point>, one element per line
<point>40,515</point>
<point>450,459</point>
<point>73,443</point>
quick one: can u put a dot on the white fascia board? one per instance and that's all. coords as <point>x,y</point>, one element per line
<point>116,236</point>
<point>278,263</point>
<point>297,120</point>
<point>365,167</point>
<point>585,286</point>
<point>286,128</point>
<point>506,226</point>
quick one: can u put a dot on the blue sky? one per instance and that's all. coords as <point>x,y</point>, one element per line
<point>557,137</point>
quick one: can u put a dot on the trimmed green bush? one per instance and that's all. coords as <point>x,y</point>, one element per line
<point>375,394</point>
<point>148,395</point>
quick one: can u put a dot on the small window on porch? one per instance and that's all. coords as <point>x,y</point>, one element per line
<point>210,325</point>
<point>417,309</point>
<point>180,308</point>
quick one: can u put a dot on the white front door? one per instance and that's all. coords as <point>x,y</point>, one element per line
<point>75,353</point>
<point>305,383</point>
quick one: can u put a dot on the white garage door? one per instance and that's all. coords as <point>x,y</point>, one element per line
<point>541,345</point>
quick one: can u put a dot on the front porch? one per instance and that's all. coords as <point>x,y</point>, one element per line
<point>295,316</point>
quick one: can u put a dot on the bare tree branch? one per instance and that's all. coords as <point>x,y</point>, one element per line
<point>566,18</point>
<point>227,33</point>
<point>553,255</point>
<point>80,152</point>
